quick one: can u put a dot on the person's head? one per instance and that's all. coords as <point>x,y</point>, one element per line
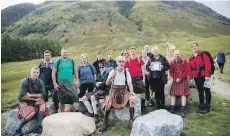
<point>110,54</point>
<point>144,53</point>
<point>156,51</point>
<point>120,62</point>
<point>34,73</point>
<point>64,53</point>
<point>47,55</point>
<point>177,55</point>
<point>125,53</point>
<point>147,48</point>
<point>99,55</point>
<point>132,50</point>
<point>102,65</point>
<point>220,50</point>
<point>84,58</point>
<point>195,47</point>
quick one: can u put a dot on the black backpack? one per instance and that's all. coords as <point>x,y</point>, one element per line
<point>211,60</point>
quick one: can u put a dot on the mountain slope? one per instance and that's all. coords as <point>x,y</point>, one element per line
<point>120,24</point>
<point>14,13</point>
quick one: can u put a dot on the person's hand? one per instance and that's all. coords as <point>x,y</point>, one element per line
<point>56,87</point>
<point>28,94</point>
<point>178,80</point>
<point>38,99</point>
<point>132,93</point>
<point>207,78</point>
<point>114,74</point>
<point>78,83</point>
<point>143,81</point>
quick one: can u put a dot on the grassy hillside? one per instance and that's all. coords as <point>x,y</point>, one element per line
<point>109,24</point>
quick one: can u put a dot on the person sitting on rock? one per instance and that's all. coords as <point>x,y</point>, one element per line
<point>31,101</point>
<point>120,94</point>
<point>99,92</point>
<point>179,71</point>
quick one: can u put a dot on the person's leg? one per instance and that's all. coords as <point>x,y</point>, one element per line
<point>183,103</point>
<point>172,107</point>
<point>147,88</point>
<point>83,88</point>
<point>155,87</point>
<point>199,83</point>
<point>87,105</point>
<point>105,122</point>
<point>95,108</point>
<point>162,95</point>
<point>55,100</point>
<point>40,117</point>
<point>46,96</point>
<point>208,97</point>
<point>62,107</point>
<point>22,123</point>
<point>142,102</point>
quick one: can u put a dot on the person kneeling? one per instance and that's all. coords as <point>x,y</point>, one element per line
<point>101,90</point>
<point>31,101</point>
<point>120,94</point>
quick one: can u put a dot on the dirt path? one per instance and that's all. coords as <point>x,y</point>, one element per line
<point>221,88</point>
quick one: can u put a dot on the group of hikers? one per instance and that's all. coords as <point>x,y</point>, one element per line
<point>114,83</point>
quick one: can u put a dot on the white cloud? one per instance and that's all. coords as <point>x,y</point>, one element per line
<point>7,3</point>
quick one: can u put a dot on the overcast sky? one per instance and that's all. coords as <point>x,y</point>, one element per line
<point>222,7</point>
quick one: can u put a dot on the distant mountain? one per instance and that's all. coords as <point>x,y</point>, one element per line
<point>14,13</point>
<point>120,23</point>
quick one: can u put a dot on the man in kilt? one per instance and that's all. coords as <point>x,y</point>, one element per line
<point>31,101</point>
<point>121,92</point>
<point>178,71</point>
<point>101,89</point>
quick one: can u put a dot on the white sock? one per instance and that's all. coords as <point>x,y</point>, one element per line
<point>88,106</point>
<point>94,104</point>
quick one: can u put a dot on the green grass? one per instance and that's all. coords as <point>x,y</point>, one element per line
<point>216,122</point>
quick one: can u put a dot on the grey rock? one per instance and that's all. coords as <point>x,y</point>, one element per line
<point>137,108</point>
<point>158,123</point>
<point>13,122</point>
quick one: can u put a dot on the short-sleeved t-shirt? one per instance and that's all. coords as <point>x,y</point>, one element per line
<point>120,77</point>
<point>65,70</point>
<point>86,73</point>
<point>32,87</point>
<point>134,67</point>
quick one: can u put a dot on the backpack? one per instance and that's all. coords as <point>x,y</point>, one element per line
<point>90,66</point>
<point>211,61</point>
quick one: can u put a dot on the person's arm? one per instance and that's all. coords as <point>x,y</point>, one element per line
<point>147,66</point>
<point>23,95</point>
<point>171,69</point>
<point>54,71</point>
<point>110,77</point>
<point>94,73</point>
<point>185,72</point>
<point>190,75</point>
<point>129,81</point>
<point>142,68</point>
<point>224,57</point>
<point>165,64</point>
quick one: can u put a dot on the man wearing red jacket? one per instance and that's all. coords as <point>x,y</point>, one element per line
<point>200,70</point>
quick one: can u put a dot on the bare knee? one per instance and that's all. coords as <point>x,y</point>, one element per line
<point>42,107</point>
<point>93,98</point>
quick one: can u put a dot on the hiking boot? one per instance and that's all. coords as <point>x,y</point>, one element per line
<point>96,119</point>
<point>204,111</point>
<point>90,115</point>
<point>182,113</point>
<point>172,109</point>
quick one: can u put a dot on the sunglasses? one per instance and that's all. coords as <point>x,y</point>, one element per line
<point>101,67</point>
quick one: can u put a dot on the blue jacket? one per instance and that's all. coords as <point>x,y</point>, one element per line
<point>220,57</point>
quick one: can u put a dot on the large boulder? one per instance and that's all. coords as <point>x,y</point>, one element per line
<point>68,123</point>
<point>158,123</point>
<point>13,122</point>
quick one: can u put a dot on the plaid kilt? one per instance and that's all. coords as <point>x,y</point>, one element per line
<point>179,89</point>
<point>24,110</point>
<point>67,93</point>
<point>109,100</point>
